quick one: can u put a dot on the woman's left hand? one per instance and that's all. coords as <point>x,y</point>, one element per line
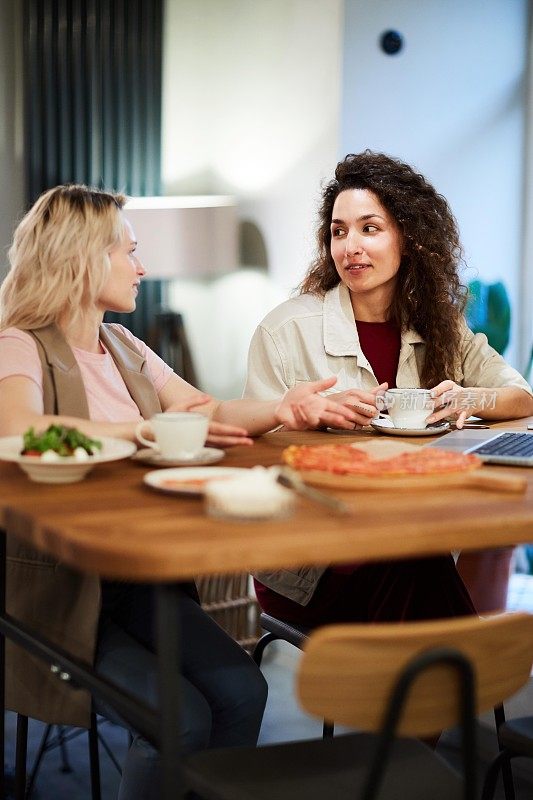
<point>453,402</point>
<point>223,435</point>
<point>218,433</point>
<point>303,407</point>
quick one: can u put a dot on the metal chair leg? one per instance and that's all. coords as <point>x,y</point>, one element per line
<point>24,793</point>
<point>94,758</point>
<point>38,758</point>
<point>62,743</point>
<point>507,772</point>
<point>259,649</point>
<point>110,753</point>
<point>20,757</point>
<point>491,777</point>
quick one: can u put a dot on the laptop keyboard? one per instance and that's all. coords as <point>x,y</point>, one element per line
<point>518,445</point>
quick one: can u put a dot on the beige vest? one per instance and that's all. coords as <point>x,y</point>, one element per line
<point>58,602</point>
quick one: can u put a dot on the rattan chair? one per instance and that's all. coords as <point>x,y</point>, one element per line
<point>394,681</point>
<point>227,598</point>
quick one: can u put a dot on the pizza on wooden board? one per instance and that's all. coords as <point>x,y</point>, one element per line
<point>379,465</point>
<point>386,464</point>
<point>350,459</point>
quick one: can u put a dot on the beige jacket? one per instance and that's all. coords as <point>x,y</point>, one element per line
<point>311,337</point>
<point>61,604</point>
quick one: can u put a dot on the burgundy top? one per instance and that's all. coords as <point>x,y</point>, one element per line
<point>380,342</point>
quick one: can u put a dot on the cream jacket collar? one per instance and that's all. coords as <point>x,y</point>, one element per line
<point>340,331</point>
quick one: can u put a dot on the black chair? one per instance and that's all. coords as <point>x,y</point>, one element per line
<point>24,785</point>
<point>515,738</point>
<point>297,635</point>
<point>167,336</point>
<point>394,681</point>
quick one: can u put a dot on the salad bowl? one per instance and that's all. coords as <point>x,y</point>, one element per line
<point>67,469</point>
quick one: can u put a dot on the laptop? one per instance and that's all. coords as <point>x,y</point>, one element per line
<point>495,446</point>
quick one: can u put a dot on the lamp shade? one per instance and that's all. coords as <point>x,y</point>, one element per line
<point>189,236</point>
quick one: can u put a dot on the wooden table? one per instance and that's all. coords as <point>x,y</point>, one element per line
<point>113,525</point>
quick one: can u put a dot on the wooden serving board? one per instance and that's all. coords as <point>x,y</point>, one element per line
<point>478,478</point>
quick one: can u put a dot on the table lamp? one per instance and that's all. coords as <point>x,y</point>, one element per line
<point>186,236</point>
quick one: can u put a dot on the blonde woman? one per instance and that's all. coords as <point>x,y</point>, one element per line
<point>73,258</point>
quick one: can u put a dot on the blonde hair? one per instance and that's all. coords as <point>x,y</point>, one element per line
<point>60,256</point>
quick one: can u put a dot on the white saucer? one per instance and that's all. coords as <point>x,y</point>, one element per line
<point>348,431</point>
<point>386,426</point>
<point>208,455</point>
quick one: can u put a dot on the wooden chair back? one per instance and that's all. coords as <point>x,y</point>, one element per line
<point>348,672</point>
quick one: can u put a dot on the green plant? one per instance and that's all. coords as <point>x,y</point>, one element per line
<point>488,311</point>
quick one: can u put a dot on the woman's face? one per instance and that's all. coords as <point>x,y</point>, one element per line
<point>122,286</point>
<point>366,246</point>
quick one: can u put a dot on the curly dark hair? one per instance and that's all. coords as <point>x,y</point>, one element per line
<point>428,296</point>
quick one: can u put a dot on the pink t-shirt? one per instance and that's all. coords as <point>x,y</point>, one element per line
<point>107,395</point>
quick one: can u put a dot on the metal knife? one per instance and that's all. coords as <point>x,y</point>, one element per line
<point>289,478</point>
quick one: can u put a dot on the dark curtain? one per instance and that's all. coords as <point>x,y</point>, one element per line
<point>92,104</point>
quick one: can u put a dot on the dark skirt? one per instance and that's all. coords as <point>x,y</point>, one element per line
<point>387,591</point>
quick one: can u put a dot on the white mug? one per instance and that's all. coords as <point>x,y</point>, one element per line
<point>178,434</point>
<point>408,408</point>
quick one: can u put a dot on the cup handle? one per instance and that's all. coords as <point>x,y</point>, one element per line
<point>140,438</point>
<point>381,405</point>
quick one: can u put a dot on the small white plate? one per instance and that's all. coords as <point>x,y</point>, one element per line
<point>185,480</point>
<point>208,455</point>
<point>386,426</point>
<point>69,469</point>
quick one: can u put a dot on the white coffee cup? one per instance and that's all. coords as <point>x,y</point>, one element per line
<point>178,434</point>
<point>408,408</point>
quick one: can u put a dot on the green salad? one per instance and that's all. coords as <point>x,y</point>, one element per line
<point>60,439</point>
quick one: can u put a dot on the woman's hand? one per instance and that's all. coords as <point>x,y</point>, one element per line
<point>454,402</point>
<point>303,407</point>
<point>362,402</point>
<point>218,433</point>
<point>224,435</point>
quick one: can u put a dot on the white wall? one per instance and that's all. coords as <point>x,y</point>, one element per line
<point>260,99</point>
<point>526,284</point>
<point>451,103</point>
<point>251,107</point>
<point>251,97</point>
<point>11,172</point>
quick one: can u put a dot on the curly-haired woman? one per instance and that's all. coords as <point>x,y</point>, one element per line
<point>382,305</point>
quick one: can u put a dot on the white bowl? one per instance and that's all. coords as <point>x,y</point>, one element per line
<point>254,495</point>
<point>69,469</point>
